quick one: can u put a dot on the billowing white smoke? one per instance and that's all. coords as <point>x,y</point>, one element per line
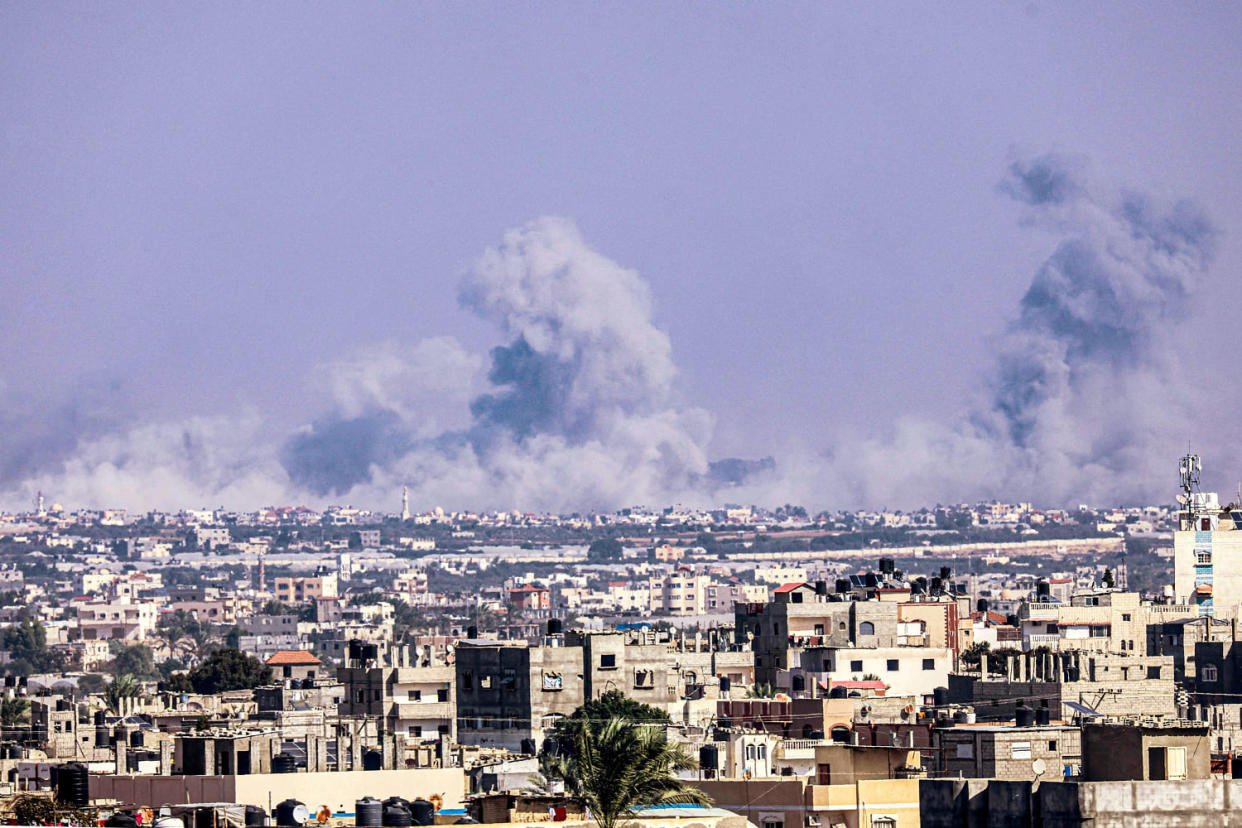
<point>1087,402</point>
<point>577,409</point>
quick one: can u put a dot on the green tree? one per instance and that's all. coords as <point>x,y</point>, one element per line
<point>13,712</point>
<point>229,669</point>
<point>137,661</point>
<point>624,766</point>
<point>1107,580</point>
<point>761,691</point>
<point>605,549</point>
<point>28,651</point>
<point>611,705</point>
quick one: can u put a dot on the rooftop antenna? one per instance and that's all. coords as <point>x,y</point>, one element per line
<point>1190,468</point>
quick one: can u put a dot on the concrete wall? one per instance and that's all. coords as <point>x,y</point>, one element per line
<point>338,791</point>
<point>955,803</point>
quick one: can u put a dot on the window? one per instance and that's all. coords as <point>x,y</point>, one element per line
<point>824,775</point>
<point>485,682</point>
<point>929,664</point>
<point>645,679</point>
<point>883,822</point>
<point>1052,746</point>
<point>796,597</point>
<point>819,629</point>
<point>467,680</point>
<point>608,661</point>
<point>1203,557</point>
<point>1207,672</point>
<point>762,752</point>
<point>891,665</point>
<point>442,695</point>
<point>1153,672</point>
<point>416,730</point>
<point>416,695</point>
<point>1166,763</point>
<point>1020,750</point>
<point>866,628</point>
<point>841,626</point>
<point>856,666</point>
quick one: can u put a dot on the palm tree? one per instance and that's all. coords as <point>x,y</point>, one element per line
<point>121,688</point>
<point>761,691</point>
<point>625,766</point>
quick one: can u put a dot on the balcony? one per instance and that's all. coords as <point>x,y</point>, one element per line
<point>422,711</point>
<point>1040,611</point>
<point>1050,640</point>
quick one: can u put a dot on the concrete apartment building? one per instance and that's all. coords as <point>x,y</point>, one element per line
<point>980,751</point>
<point>1207,553</point>
<point>1112,684</point>
<point>296,590</point>
<point>681,592</point>
<point>116,620</point>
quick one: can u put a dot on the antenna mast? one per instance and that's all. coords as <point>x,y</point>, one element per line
<point>1190,468</point>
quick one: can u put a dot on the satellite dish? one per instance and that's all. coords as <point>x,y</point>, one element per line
<point>301,813</point>
<point>1039,767</point>
<point>1181,499</point>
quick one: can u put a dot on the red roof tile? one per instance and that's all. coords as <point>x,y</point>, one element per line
<point>292,657</point>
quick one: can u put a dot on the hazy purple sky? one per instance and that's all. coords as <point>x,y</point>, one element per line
<point>204,201</point>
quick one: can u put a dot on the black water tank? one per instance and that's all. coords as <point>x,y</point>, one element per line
<point>528,747</point>
<point>725,684</point>
<point>285,811</point>
<point>982,605</point>
<point>424,812</point>
<point>1023,716</point>
<point>887,566</point>
<point>1043,716</point>
<point>120,820</point>
<point>256,817</point>
<point>10,750</point>
<point>940,696</point>
<point>372,760</point>
<point>73,785</point>
<point>399,800</point>
<point>935,586</point>
<point>843,585</point>
<point>724,723</point>
<point>368,812</point>
<point>946,572</point>
<point>709,757</point>
<point>871,581</point>
<point>821,587</point>
<point>1043,589</point>
<point>472,632</point>
<point>837,693</point>
<point>396,815</point>
<point>554,626</point>
<point>284,763</point>
<point>798,683</point>
<point>959,716</point>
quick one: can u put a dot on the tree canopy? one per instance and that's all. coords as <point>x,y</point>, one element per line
<point>137,661</point>
<point>227,669</point>
<point>611,705</point>
<point>28,651</point>
<point>605,549</point>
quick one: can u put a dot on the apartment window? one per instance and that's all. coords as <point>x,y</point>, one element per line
<point>416,695</point>
<point>819,629</point>
<point>1207,672</point>
<point>772,823</point>
<point>467,680</point>
<point>1203,557</point>
<point>608,661</point>
<point>442,695</point>
<point>1166,763</point>
<point>1153,672</point>
<point>796,598</point>
<point>1125,616</point>
<point>929,664</point>
<point>1052,746</point>
<point>891,665</point>
<point>416,730</point>
<point>866,628</point>
<point>485,682</point>
<point>841,626</point>
<point>883,822</point>
<point>856,666</point>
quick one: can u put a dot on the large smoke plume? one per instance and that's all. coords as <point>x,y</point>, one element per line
<point>577,409</point>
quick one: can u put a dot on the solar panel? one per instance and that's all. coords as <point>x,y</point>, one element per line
<point>1083,709</point>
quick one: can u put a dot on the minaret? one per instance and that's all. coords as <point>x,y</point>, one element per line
<point>405,502</point>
